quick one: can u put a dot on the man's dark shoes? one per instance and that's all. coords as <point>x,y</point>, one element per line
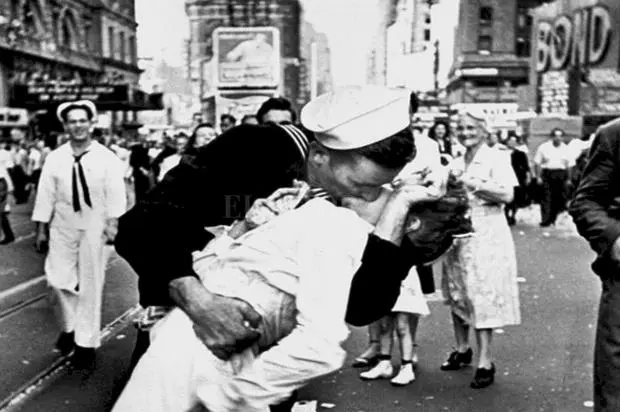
<point>483,377</point>
<point>7,240</point>
<point>65,343</point>
<point>83,358</point>
<point>457,360</point>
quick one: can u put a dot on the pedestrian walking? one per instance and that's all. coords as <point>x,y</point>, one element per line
<point>595,212</point>
<point>227,122</point>
<point>37,155</point>
<point>520,165</point>
<point>202,135</point>
<point>440,132</point>
<point>479,279</point>
<point>81,195</point>
<point>276,110</point>
<point>18,171</point>
<point>552,164</point>
<point>6,198</point>
<point>180,144</point>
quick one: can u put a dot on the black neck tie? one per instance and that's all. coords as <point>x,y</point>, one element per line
<point>76,194</point>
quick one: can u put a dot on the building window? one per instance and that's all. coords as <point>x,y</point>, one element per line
<point>31,17</point>
<point>132,50</point>
<point>427,19</point>
<point>485,44</point>
<point>486,16</point>
<point>523,47</point>
<point>67,33</point>
<point>427,34</point>
<point>121,46</point>
<point>111,42</point>
<point>523,33</point>
<point>68,36</point>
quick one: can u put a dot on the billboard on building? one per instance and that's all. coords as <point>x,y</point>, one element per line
<point>247,57</point>
<point>577,48</point>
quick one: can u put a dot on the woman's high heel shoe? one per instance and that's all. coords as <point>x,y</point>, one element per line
<point>368,359</point>
<point>483,377</point>
<point>457,360</point>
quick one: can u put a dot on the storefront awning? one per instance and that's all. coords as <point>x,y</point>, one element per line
<point>107,97</point>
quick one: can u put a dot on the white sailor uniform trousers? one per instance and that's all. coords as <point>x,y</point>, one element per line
<point>76,196</point>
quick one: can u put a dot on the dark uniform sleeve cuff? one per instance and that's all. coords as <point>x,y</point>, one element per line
<point>376,284</point>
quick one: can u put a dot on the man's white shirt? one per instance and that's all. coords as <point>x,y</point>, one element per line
<point>553,157</point>
<point>104,176</point>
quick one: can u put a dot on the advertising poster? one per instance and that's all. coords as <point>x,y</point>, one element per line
<point>247,57</point>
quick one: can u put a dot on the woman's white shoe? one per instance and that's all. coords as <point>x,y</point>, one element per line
<point>383,370</point>
<point>405,376</point>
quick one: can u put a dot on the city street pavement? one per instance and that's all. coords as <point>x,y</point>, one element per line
<point>28,328</point>
<point>543,365</point>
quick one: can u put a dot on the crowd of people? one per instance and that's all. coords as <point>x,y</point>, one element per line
<point>233,235</point>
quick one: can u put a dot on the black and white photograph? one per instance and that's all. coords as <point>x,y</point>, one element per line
<point>309,205</point>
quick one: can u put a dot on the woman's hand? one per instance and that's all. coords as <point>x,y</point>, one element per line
<point>280,201</point>
<point>410,191</point>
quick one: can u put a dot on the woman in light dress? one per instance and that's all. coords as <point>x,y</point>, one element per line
<point>479,279</point>
<point>407,310</point>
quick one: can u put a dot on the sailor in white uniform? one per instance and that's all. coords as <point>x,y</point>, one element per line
<point>80,197</point>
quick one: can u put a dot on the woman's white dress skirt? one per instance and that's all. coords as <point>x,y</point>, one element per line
<point>411,298</point>
<point>479,279</point>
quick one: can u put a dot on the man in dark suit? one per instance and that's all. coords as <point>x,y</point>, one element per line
<point>140,163</point>
<point>596,212</point>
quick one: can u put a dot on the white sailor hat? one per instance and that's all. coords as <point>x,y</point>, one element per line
<point>77,104</point>
<point>357,116</point>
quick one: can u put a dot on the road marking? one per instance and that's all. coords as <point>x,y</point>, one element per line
<point>8,272</point>
<point>55,370</point>
<point>21,287</point>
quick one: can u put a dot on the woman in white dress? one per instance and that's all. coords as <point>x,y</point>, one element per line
<point>479,279</point>
<point>407,310</point>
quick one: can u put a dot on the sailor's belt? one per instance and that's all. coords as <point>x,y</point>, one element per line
<point>150,316</point>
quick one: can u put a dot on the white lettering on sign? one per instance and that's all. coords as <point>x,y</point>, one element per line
<point>582,39</point>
